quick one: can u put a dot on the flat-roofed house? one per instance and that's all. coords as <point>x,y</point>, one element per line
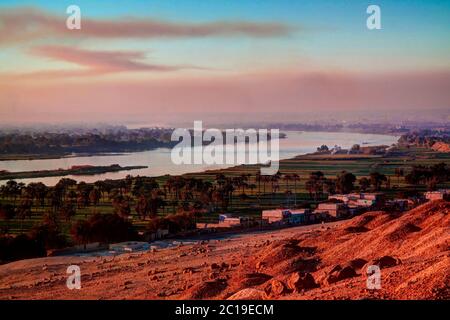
<point>341,197</point>
<point>228,221</point>
<point>299,216</point>
<point>443,194</point>
<point>377,196</point>
<point>359,199</point>
<point>276,215</point>
<point>366,203</point>
<point>336,210</point>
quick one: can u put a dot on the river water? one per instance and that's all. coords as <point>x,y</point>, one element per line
<point>159,160</point>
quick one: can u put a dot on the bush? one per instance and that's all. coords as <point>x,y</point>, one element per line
<point>104,228</point>
<point>20,247</point>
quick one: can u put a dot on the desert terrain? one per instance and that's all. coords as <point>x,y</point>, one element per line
<point>326,261</point>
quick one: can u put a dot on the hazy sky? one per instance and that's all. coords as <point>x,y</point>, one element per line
<point>165,61</point>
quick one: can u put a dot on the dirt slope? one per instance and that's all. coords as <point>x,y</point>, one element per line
<point>309,262</point>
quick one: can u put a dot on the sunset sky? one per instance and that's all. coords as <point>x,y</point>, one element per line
<point>166,61</point>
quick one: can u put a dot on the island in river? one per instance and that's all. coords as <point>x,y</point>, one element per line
<point>74,170</point>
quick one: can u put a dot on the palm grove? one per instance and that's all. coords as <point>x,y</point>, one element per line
<point>35,218</point>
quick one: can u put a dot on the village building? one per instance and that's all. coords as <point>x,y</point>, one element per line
<point>276,215</point>
<point>228,221</point>
<point>364,200</point>
<point>335,210</point>
<point>299,216</point>
<point>443,194</point>
<point>400,204</point>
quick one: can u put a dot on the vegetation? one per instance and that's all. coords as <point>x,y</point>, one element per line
<point>72,212</point>
<point>15,144</point>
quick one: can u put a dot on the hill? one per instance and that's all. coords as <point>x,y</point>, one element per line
<point>309,262</point>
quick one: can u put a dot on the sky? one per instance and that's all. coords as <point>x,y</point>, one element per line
<point>165,61</point>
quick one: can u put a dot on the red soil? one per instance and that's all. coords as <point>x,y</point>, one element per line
<point>311,262</point>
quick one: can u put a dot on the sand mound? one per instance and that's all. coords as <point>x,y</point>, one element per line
<point>280,251</point>
<point>403,231</point>
<point>206,290</point>
<point>248,294</point>
<point>356,229</point>
<point>251,279</point>
<point>370,220</point>
<point>286,257</point>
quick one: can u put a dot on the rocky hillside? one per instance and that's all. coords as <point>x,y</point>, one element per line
<point>309,262</point>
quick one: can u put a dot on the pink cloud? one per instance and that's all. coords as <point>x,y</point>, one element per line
<point>22,24</point>
<point>94,62</point>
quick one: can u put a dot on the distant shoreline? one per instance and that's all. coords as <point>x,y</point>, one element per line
<point>19,157</point>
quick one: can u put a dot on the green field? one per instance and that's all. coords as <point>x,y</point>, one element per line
<point>249,198</point>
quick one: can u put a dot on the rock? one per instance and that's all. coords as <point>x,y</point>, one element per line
<point>358,263</point>
<point>188,270</point>
<point>248,294</point>
<point>339,273</point>
<point>214,266</point>
<point>386,262</point>
<point>274,288</point>
<point>224,265</point>
<point>212,275</point>
<point>301,281</point>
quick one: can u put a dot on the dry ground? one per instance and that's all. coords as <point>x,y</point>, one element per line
<point>309,262</point>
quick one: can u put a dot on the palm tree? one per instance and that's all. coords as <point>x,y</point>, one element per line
<point>94,197</point>
<point>399,172</point>
<point>376,179</point>
<point>287,178</point>
<point>258,180</point>
<point>364,183</point>
<point>296,178</point>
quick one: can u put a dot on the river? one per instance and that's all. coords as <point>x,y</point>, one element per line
<point>159,160</point>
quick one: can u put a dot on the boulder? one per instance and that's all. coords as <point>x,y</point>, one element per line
<point>339,273</point>
<point>301,281</point>
<point>358,263</point>
<point>386,262</point>
<point>275,288</point>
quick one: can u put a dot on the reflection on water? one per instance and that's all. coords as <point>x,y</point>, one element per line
<point>159,160</point>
